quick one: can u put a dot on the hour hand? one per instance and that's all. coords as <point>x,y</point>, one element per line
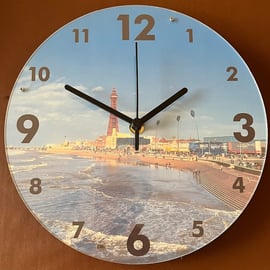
<point>163,105</point>
<point>98,103</point>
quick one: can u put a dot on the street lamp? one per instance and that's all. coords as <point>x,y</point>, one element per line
<point>192,113</point>
<point>157,124</point>
<point>178,123</point>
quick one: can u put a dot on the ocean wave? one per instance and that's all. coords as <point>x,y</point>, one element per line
<point>13,152</point>
<point>106,246</point>
<point>26,168</point>
<point>112,200</point>
<point>88,170</point>
<point>100,193</point>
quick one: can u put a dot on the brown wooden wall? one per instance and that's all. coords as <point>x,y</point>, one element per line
<point>24,244</point>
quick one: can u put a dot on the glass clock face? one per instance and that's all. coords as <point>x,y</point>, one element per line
<point>136,134</point>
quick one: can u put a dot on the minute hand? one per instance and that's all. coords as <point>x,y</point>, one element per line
<point>163,105</point>
<point>99,104</point>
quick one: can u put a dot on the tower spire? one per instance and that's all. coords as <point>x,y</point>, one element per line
<point>113,120</point>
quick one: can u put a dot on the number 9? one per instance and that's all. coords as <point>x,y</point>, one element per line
<point>30,131</point>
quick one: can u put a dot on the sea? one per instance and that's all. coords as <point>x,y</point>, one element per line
<point>94,205</point>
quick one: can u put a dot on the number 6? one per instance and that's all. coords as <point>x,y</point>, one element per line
<point>133,237</point>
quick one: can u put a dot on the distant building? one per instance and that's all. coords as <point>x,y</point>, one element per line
<point>220,139</point>
<point>117,139</point>
<point>131,141</point>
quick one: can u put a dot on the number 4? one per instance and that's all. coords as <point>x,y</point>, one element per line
<point>239,184</point>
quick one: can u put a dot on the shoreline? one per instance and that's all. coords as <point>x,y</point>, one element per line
<point>215,178</point>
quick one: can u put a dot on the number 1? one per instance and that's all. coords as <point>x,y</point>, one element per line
<point>190,35</point>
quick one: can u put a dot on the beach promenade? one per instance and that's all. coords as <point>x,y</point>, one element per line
<point>216,179</point>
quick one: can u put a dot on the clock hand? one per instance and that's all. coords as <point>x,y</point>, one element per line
<point>163,105</point>
<point>99,104</point>
<point>137,123</point>
<point>137,139</point>
<point>137,81</point>
<point>134,126</point>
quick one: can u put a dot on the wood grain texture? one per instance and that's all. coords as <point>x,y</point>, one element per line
<point>24,243</point>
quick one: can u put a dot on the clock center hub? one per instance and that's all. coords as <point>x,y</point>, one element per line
<point>136,124</point>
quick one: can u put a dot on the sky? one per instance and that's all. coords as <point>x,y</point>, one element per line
<point>166,64</point>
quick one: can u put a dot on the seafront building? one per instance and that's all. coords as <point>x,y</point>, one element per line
<point>114,140</point>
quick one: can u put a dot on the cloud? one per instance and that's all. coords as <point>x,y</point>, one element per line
<point>98,89</point>
<point>59,112</point>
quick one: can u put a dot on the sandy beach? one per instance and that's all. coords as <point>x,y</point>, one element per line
<point>215,178</point>
<point>111,192</point>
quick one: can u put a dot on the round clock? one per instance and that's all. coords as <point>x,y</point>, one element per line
<point>136,134</point>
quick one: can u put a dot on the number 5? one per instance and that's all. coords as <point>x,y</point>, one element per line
<point>197,225</point>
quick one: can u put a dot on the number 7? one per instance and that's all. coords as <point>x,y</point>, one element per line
<point>80,226</point>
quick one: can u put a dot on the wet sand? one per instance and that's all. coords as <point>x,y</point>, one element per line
<point>215,178</point>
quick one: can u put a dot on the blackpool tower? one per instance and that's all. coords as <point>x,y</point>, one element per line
<point>113,120</point>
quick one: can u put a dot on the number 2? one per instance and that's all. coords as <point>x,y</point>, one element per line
<point>234,72</point>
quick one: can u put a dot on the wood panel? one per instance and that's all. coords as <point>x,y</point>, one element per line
<point>24,244</point>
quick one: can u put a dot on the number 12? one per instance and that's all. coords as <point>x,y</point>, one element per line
<point>144,34</point>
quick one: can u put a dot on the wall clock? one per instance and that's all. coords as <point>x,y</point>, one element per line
<point>136,134</point>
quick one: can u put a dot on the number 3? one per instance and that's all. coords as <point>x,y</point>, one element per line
<point>247,126</point>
